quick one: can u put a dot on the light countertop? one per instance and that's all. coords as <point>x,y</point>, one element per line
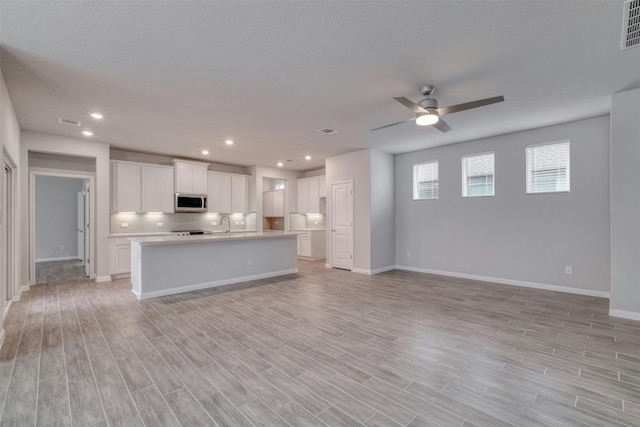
<point>215,238</point>
<point>169,233</point>
<point>308,229</point>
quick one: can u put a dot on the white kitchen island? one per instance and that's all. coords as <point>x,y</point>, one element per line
<point>172,264</point>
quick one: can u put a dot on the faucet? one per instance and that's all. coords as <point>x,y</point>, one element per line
<point>228,230</point>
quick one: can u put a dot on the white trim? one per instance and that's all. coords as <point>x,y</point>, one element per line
<point>23,288</point>
<point>198,286</point>
<point>61,258</point>
<point>6,311</point>
<point>327,265</point>
<point>103,278</point>
<point>383,269</point>
<point>632,315</point>
<point>566,289</point>
<point>361,270</point>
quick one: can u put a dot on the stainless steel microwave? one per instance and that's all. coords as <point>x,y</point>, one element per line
<point>190,202</point>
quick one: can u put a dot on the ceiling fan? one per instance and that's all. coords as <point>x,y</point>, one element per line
<point>428,113</point>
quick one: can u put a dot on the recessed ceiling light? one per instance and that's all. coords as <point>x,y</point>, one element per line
<point>307,157</point>
<point>87,133</point>
<point>205,152</point>
<point>280,164</point>
<point>229,142</point>
<point>97,115</point>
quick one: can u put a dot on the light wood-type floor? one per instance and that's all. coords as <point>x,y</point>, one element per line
<point>322,347</point>
<point>55,271</point>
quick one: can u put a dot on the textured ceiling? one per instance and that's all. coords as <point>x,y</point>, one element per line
<point>177,77</point>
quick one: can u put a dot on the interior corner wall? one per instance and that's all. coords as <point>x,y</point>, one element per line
<point>353,166</point>
<point>9,143</point>
<point>56,217</point>
<point>625,204</point>
<point>515,236</point>
<point>383,231</point>
<point>46,143</point>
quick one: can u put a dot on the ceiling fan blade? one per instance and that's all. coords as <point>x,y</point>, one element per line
<point>393,124</point>
<point>442,126</point>
<point>410,104</point>
<point>469,105</point>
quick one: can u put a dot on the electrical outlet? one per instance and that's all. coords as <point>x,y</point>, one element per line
<point>62,247</point>
<point>408,254</point>
<point>124,225</point>
<point>159,224</point>
<point>568,269</point>
<point>250,261</point>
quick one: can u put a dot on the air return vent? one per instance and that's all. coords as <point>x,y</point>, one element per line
<point>69,122</point>
<point>329,130</point>
<point>630,24</point>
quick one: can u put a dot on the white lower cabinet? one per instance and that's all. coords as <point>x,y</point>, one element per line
<point>311,244</point>
<point>119,256</point>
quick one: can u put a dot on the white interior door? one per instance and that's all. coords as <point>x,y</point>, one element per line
<point>342,225</point>
<point>80,227</point>
<point>86,226</point>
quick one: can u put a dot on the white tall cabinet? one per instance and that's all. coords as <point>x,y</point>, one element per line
<point>191,177</point>
<point>227,193</point>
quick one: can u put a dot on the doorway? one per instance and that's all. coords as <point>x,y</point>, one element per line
<point>61,214</point>
<point>342,225</point>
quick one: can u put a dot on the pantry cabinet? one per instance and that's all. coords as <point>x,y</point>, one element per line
<point>273,203</point>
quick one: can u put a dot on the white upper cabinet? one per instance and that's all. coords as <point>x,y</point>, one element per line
<point>273,203</point>
<point>219,192</point>
<point>310,190</point>
<point>191,177</point>
<point>157,189</point>
<point>137,187</point>
<point>228,193</point>
<point>239,193</point>
<point>303,195</point>
<point>125,187</point>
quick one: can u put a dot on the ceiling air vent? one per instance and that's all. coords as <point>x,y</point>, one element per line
<point>69,122</point>
<point>630,24</point>
<point>329,130</point>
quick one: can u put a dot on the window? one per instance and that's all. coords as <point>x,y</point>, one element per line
<point>425,181</point>
<point>548,168</point>
<point>477,175</point>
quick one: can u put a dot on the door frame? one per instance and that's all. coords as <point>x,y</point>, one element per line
<point>9,288</point>
<point>87,176</point>
<point>329,263</point>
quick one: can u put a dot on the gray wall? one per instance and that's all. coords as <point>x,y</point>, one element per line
<point>383,248</point>
<point>625,203</point>
<point>353,166</point>
<point>56,217</point>
<point>529,238</point>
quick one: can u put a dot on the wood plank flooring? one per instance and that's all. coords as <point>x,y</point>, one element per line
<point>319,348</point>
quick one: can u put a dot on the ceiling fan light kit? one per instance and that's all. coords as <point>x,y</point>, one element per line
<point>428,113</point>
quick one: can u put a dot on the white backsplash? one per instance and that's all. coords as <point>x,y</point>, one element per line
<point>314,221</point>
<point>148,223</point>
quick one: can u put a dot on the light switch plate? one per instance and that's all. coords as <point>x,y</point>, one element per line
<point>124,225</point>
<point>159,224</point>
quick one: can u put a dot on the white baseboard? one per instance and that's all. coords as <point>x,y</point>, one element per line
<point>198,286</point>
<point>360,270</point>
<point>23,288</point>
<point>103,278</point>
<point>327,265</point>
<point>566,289</point>
<point>6,310</point>
<point>632,315</point>
<point>383,269</point>
<point>61,258</point>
